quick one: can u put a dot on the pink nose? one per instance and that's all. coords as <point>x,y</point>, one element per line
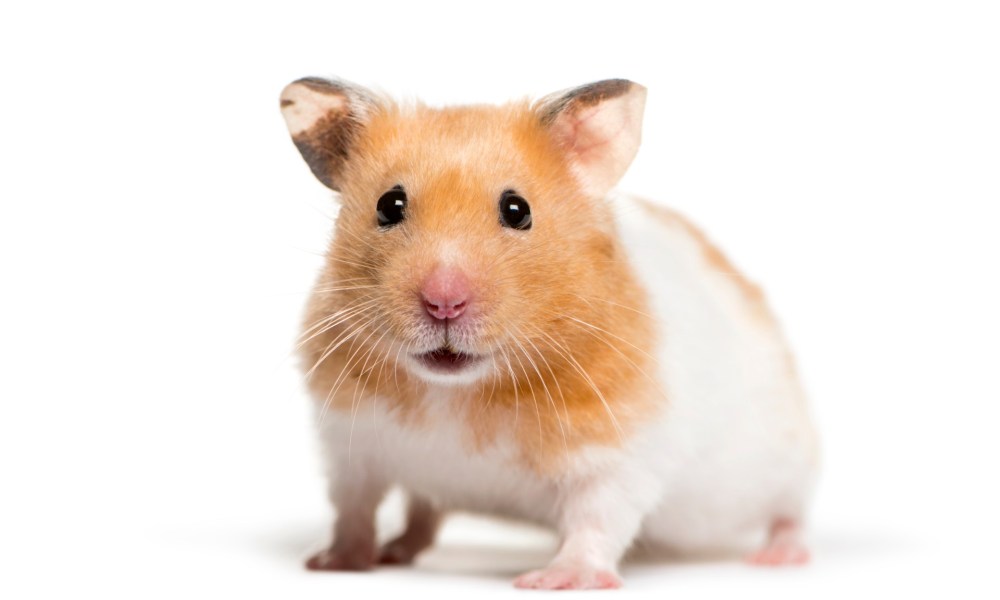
<point>446,293</point>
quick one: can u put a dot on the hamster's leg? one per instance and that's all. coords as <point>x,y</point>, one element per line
<point>422,522</point>
<point>783,547</point>
<point>356,490</point>
<point>599,521</point>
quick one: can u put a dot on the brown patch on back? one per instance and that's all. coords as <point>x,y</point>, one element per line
<point>714,257</point>
<point>755,301</point>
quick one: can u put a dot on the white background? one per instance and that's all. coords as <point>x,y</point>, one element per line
<point>158,234</point>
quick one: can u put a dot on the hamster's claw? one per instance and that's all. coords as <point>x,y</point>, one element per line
<point>779,556</point>
<point>569,578</point>
<point>337,559</point>
<point>399,551</point>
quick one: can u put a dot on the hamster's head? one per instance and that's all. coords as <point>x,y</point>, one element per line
<point>465,235</point>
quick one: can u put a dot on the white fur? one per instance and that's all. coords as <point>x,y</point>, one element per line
<point>736,446</point>
<point>731,451</point>
<point>467,376</point>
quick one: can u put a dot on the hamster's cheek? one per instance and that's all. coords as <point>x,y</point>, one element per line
<point>402,313</point>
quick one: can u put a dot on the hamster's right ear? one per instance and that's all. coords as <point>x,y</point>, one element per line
<point>324,118</point>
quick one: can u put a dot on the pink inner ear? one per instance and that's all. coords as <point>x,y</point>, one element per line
<point>589,133</point>
<point>600,140</point>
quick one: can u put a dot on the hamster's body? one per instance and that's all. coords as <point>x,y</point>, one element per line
<point>730,451</point>
<point>641,393</point>
<point>735,441</point>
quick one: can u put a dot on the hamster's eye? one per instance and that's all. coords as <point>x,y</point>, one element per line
<point>391,205</point>
<point>514,211</point>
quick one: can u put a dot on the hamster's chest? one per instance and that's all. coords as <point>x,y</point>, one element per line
<point>436,454</point>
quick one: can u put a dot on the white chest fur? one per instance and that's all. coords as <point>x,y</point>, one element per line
<point>437,458</point>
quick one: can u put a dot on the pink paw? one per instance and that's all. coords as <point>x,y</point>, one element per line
<point>569,578</point>
<point>783,546</point>
<point>333,559</point>
<point>776,555</point>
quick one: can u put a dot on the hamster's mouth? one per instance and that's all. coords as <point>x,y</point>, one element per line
<point>446,360</point>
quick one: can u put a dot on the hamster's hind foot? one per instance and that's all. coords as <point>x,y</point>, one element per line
<point>783,547</point>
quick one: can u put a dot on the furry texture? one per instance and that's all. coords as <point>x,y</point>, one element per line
<point>628,383</point>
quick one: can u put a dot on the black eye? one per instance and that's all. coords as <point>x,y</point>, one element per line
<point>514,211</point>
<point>391,207</point>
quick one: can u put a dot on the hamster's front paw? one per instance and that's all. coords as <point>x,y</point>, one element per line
<point>342,559</point>
<point>566,577</point>
<point>422,524</point>
<point>400,551</point>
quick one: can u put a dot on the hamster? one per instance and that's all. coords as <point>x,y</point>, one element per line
<point>495,331</point>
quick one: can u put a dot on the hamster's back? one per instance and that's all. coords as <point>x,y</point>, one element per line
<point>741,439</point>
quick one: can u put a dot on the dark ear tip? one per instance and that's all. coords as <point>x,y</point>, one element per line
<point>319,84</point>
<point>588,95</point>
<point>616,82</point>
<point>592,93</point>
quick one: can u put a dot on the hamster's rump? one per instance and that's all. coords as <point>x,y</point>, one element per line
<point>742,441</point>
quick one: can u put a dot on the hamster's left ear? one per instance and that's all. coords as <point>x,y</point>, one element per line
<point>324,117</point>
<point>599,126</point>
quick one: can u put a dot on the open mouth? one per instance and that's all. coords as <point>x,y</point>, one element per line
<point>446,360</point>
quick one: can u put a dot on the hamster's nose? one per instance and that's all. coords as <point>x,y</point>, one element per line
<point>445,293</point>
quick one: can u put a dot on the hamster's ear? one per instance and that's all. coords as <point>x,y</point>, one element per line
<point>599,125</point>
<point>324,117</point>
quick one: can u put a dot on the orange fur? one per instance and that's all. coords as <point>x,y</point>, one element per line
<point>714,258</point>
<point>560,289</point>
<point>717,261</point>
